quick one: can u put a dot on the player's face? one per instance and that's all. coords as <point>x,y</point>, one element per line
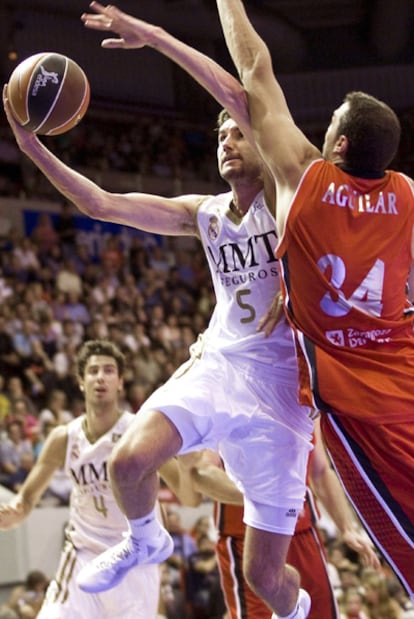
<point>101,382</point>
<point>331,134</point>
<point>236,158</point>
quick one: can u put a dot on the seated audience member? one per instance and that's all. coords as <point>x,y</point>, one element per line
<point>379,603</point>
<point>352,605</point>
<point>56,410</point>
<point>16,456</point>
<point>202,584</point>
<point>26,599</point>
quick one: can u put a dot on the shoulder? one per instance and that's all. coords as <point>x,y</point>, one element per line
<point>408,180</point>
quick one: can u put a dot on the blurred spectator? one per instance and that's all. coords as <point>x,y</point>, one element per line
<point>27,599</point>
<point>68,279</point>
<point>5,403</point>
<point>44,235</point>
<point>379,603</point>
<point>352,605</point>
<point>398,593</point>
<point>21,412</point>
<point>23,339</point>
<point>203,591</point>
<point>184,544</point>
<point>9,359</point>
<point>56,410</point>
<point>16,457</point>
<point>65,227</point>
<point>25,263</point>
<point>15,390</point>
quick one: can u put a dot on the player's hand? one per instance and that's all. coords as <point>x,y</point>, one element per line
<point>363,546</point>
<point>22,136</point>
<point>275,313</point>
<point>11,514</point>
<point>133,32</point>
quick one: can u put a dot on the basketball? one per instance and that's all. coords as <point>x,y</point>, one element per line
<point>48,93</point>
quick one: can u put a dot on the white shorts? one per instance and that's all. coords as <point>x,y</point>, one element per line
<point>136,597</point>
<point>252,416</point>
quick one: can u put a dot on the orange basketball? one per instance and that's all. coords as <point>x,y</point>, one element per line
<point>48,93</point>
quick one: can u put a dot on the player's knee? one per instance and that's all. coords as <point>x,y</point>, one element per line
<point>127,463</point>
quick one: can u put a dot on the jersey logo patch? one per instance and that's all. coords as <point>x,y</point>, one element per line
<point>213,228</point>
<point>336,337</point>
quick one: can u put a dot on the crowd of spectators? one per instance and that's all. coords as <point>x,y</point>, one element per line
<point>152,297</point>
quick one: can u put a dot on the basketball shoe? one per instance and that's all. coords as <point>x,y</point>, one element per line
<point>109,568</point>
<point>302,608</point>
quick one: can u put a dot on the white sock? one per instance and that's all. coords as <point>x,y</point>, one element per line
<point>297,613</point>
<point>146,526</point>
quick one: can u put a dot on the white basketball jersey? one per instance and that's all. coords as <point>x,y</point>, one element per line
<point>96,521</point>
<point>245,275</point>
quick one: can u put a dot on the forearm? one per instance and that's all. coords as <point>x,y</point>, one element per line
<point>253,61</point>
<point>331,495</point>
<point>244,44</point>
<point>227,90</point>
<point>84,193</point>
<point>179,480</point>
<point>215,484</point>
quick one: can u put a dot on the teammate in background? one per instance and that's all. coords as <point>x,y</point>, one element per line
<point>204,471</point>
<point>82,447</point>
<point>237,393</point>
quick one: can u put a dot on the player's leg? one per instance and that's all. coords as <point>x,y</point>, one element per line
<point>266,571</point>
<point>241,601</point>
<point>149,441</point>
<point>306,553</point>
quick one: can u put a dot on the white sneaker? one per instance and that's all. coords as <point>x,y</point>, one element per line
<point>109,568</point>
<point>303,606</point>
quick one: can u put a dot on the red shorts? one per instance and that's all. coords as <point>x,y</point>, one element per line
<point>376,466</point>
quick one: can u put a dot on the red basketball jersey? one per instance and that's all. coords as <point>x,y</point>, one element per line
<point>346,255</point>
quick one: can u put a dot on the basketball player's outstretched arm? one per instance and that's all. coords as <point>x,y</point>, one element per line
<point>151,213</point>
<point>135,33</point>
<point>51,458</point>
<point>283,146</point>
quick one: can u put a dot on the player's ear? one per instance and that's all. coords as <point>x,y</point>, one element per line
<point>341,145</point>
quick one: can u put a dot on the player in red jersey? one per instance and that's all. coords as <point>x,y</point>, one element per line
<point>203,472</point>
<point>346,246</point>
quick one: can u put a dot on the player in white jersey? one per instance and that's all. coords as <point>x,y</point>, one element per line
<point>82,448</point>
<point>238,392</point>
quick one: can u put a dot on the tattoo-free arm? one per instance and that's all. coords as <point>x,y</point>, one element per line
<point>328,489</point>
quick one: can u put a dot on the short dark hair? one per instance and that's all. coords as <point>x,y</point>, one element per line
<point>222,117</point>
<point>373,131</point>
<point>99,347</point>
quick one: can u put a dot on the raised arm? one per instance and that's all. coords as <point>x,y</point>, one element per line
<point>171,216</point>
<point>51,458</point>
<point>282,145</point>
<point>135,33</point>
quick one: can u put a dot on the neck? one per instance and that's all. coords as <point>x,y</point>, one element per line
<point>97,422</point>
<point>242,198</point>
